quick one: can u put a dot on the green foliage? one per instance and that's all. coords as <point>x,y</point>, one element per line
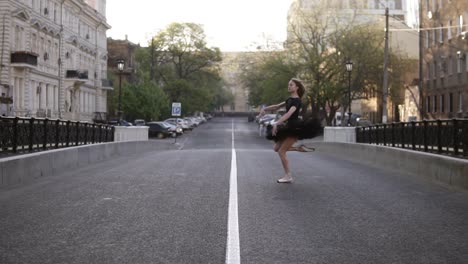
<point>267,79</point>
<point>176,67</point>
<point>178,58</point>
<point>143,101</point>
<point>317,53</point>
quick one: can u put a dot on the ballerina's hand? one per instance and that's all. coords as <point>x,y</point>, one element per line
<point>274,130</point>
<point>262,113</point>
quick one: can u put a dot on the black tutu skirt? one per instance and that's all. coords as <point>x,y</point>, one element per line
<point>300,129</point>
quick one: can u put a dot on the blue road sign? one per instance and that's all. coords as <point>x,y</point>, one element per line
<point>176,109</point>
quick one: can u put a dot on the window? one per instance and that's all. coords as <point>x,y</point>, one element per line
<point>460,102</point>
<point>449,66</point>
<point>398,4</point>
<point>459,65</point>
<point>34,43</point>
<point>450,102</point>
<point>428,104</point>
<point>466,61</point>
<point>449,29</point>
<point>441,33</point>
<point>426,39</point>
<point>434,36</point>
<point>460,25</point>
<point>442,69</point>
<point>428,71</point>
<point>442,103</point>
<point>435,104</point>
<point>55,12</point>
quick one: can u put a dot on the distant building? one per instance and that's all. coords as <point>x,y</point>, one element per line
<point>122,50</point>
<point>445,59</point>
<point>53,58</point>
<point>231,67</point>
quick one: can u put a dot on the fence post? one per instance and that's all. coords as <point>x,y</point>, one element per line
<point>100,133</point>
<point>15,134</point>
<point>425,135</point>
<point>68,133</point>
<point>57,134</point>
<point>31,133</point>
<point>456,142</point>
<point>439,136</point>
<point>402,133</point>
<point>384,134</point>
<point>93,135</point>
<point>413,135</point>
<point>77,141</point>
<point>85,133</point>
<point>393,134</point>
<point>377,140</point>
<point>465,137</point>
<point>44,139</point>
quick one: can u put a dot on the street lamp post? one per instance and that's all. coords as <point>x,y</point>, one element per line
<point>349,68</point>
<point>120,67</point>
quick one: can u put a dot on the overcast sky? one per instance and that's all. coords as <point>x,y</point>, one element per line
<point>232,25</point>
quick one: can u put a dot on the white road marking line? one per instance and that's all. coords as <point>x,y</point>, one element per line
<point>232,245</point>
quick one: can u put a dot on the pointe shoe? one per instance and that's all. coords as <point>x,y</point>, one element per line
<point>285,180</point>
<point>303,148</point>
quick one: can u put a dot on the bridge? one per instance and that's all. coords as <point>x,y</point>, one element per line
<point>212,197</point>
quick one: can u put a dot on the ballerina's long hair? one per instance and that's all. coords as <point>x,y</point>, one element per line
<point>300,86</point>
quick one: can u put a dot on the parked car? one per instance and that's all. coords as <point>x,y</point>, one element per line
<point>139,122</point>
<point>115,122</point>
<point>191,122</point>
<point>195,120</point>
<point>178,122</point>
<point>174,129</point>
<point>266,118</point>
<point>159,130</point>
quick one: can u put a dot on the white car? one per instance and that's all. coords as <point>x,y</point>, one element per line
<point>178,122</point>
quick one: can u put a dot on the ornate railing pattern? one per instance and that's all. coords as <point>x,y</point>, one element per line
<point>447,137</point>
<point>23,135</point>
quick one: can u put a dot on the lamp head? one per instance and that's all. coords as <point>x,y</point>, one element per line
<point>461,55</point>
<point>120,65</point>
<point>349,65</point>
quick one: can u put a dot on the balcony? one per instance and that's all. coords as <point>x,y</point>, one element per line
<point>107,84</point>
<point>24,59</point>
<point>76,74</point>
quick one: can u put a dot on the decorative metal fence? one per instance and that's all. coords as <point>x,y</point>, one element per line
<point>447,137</point>
<point>22,135</point>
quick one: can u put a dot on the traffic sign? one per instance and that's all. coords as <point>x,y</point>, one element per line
<point>176,109</point>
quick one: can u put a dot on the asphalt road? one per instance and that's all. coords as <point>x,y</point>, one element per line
<point>171,206</point>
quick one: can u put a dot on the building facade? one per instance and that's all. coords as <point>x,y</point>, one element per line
<point>53,58</point>
<point>232,65</point>
<point>445,58</point>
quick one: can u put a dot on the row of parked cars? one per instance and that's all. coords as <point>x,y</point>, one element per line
<point>173,127</point>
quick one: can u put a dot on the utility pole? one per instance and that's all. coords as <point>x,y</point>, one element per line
<point>385,77</point>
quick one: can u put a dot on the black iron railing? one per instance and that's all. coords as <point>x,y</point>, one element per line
<point>23,135</point>
<point>447,137</point>
<point>24,57</point>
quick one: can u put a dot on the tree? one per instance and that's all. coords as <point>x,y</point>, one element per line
<point>321,45</point>
<point>142,100</point>
<point>267,77</point>
<point>180,61</point>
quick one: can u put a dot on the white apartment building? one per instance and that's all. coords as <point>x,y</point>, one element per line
<point>53,58</point>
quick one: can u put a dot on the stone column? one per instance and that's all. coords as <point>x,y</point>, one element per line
<point>5,40</point>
